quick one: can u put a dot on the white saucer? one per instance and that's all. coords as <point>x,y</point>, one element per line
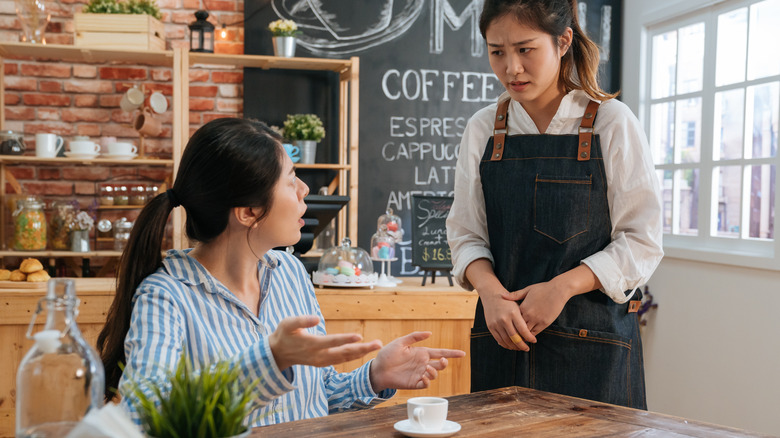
<point>81,156</point>
<point>406,428</point>
<point>119,156</point>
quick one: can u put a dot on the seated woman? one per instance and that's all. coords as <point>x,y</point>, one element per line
<point>233,296</point>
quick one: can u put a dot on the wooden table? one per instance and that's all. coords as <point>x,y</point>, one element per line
<point>381,313</point>
<point>511,412</point>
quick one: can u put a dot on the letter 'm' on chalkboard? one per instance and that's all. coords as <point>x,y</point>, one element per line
<point>430,249</point>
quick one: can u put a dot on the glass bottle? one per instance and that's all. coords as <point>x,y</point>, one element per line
<point>59,227</point>
<point>327,237</point>
<point>382,245</point>
<point>29,225</point>
<point>61,377</point>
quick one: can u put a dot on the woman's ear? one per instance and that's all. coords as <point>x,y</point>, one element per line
<point>246,216</point>
<point>565,40</point>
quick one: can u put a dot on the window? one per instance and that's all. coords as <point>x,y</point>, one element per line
<point>714,91</point>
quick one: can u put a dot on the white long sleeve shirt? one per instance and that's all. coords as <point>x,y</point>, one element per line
<point>632,192</point>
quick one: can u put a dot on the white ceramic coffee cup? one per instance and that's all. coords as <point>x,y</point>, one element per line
<point>84,147</point>
<point>132,99</point>
<point>121,148</point>
<point>48,145</point>
<point>427,413</point>
<point>157,102</point>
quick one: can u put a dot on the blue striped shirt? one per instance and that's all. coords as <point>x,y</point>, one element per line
<point>182,306</point>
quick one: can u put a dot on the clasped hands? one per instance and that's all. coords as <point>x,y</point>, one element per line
<point>398,365</point>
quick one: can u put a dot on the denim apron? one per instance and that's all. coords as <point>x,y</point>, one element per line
<point>546,207</point>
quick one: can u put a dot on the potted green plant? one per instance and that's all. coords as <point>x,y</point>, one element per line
<point>284,33</point>
<point>305,130</point>
<point>210,403</point>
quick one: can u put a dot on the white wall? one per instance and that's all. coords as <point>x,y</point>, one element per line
<point>712,348</point>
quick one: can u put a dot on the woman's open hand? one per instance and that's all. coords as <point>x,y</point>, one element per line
<point>400,365</point>
<point>292,345</point>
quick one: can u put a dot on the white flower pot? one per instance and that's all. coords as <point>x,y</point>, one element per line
<point>284,46</point>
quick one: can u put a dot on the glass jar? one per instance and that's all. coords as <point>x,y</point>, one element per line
<point>62,217</point>
<point>326,239</point>
<point>382,245</point>
<point>106,194</point>
<point>61,377</point>
<point>151,192</point>
<point>393,224</point>
<point>29,225</point>
<point>121,197</point>
<point>121,233</point>
<point>137,194</point>
<point>11,143</point>
<point>344,265</point>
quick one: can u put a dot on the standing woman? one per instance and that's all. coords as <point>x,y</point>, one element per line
<point>557,217</point>
<point>233,297</point>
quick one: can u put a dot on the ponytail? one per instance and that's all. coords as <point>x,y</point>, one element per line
<point>142,257</point>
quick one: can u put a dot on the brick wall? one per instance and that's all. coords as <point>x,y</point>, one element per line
<point>83,99</point>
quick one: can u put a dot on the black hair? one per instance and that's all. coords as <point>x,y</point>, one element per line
<point>228,163</point>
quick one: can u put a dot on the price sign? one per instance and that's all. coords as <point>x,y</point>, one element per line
<point>430,249</point>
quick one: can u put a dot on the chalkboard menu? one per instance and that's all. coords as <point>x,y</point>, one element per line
<point>430,249</point>
<point>424,72</point>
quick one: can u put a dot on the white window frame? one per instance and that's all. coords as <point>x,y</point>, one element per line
<point>748,252</point>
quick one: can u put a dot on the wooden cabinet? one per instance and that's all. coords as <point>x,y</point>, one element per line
<point>182,63</point>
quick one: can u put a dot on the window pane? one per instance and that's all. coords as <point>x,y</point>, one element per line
<point>690,59</point>
<point>763,100</point>
<point>664,64</point>
<point>665,177</point>
<point>662,132</point>
<point>728,183</point>
<point>687,201</point>
<point>687,131</point>
<point>762,202</point>
<point>727,130</point>
<point>763,56</point>
<point>732,47</point>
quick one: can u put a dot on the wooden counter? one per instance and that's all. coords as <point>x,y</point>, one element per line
<point>381,313</point>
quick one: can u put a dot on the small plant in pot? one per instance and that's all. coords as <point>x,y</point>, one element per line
<point>208,403</point>
<point>305,130</point>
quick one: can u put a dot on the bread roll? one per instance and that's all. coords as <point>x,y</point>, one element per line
<point>29,266</point>
<point>17,275</point>
<point>5,274</point>
<point>38,276</point>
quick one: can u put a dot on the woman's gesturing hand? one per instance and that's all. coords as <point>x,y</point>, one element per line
<point>400,365</point>
<point>292,345</point>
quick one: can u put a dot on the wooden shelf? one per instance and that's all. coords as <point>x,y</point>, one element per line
<point>323,166</point>
<point>25,159</point>
<point>120,207</point>
<point>269,62</point>
<point>60,254</point>
<point>68,53</point>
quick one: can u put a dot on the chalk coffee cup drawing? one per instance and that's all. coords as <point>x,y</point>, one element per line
<point>145,123</point>
<point>157,102</point>
<point>48,145</point>
<point>292,151</point>
<point>121,148</point>
<point>84,147</point>
<point>132,99</point>
<point>427,413</point>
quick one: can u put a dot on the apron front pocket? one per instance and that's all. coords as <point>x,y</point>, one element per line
<point>561,206</point>
<point>583,363</point>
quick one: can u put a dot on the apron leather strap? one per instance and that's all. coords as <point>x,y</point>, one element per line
<point>634,305</point>
<point>586,131</point>
<point>499,130</point>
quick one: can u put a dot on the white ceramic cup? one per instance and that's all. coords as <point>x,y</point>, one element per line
<point>157,102</point>
<point>84,147</point>
<point>427,413</point>
<point>48,145</point>
<point>121,148</point>
<point>132,99</point>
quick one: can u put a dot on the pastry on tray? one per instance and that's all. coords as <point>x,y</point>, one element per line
<point>29,266</point>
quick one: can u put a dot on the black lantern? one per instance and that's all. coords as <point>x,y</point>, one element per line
<point>201,33</point>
